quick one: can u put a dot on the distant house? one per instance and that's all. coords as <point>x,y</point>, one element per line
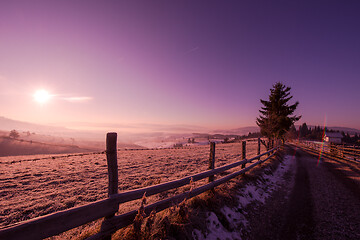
<point>333,137</point>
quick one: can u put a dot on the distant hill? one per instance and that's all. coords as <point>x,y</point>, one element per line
<point>237,131</point>
<point>7,124</point>
<point>42,139</point>
<point>351,131</point>
<point>15,147</point>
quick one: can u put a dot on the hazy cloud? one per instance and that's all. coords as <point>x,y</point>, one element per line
<point>78,99</point>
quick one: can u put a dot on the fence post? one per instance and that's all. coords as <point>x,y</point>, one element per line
<point>212,160</point>
<point>243,152</point>
<point>259,146</point>
<point>332,149</point>
<point>111,157</point>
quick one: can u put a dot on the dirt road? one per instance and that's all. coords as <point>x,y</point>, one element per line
<point>320,201</point>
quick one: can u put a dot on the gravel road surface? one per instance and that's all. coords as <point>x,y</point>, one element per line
<point>321,200</point>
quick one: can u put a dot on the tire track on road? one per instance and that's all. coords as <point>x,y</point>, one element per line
<point>299,223</point>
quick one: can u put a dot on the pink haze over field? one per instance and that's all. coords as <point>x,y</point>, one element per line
<point>203,63</point>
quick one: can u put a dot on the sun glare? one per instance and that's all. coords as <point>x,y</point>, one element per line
<point>42,96</point>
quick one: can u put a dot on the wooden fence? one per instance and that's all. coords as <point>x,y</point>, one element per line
<point>333,150</point>
<point>59,222</point>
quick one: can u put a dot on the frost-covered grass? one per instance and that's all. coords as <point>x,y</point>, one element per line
<point>36,185</point>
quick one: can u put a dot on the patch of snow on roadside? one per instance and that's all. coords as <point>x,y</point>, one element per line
<point>197,235</point>
<point>261,190</point>
<point>282,169</point>
<point>234,217</point>
<point>216,230</point>
<point>253,192</point>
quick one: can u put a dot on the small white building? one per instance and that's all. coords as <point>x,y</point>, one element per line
<point>333,137</point>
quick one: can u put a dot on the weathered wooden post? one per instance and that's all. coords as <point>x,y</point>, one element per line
<point>332,149</point>
<point>212,160</point>
<point>243,152</point>
<point>259,146</point>
<point>111,157</point>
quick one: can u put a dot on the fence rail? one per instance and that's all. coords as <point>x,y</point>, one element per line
<point>333,150</point>
<point>56,223</point>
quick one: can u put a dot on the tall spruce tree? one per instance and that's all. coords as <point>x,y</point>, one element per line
<point>276,115</point>
<point>304,130</point>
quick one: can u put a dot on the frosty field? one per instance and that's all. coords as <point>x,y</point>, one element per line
<point>36,185</point>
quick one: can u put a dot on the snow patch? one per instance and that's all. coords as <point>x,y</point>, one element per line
<point>216,230</point>
<point>252,192</point>
<point>234,217</point>
<point>259,191</point>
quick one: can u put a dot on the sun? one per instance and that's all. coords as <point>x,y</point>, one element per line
<point>42,96</point>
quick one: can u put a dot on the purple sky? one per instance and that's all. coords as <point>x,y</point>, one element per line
<point>204,63</point>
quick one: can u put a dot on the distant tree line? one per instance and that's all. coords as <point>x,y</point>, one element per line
<point>317,134</point>
<point>14,134</point>
<point>228,138</point>
<point>351,140</point>
<point>239,138</point>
